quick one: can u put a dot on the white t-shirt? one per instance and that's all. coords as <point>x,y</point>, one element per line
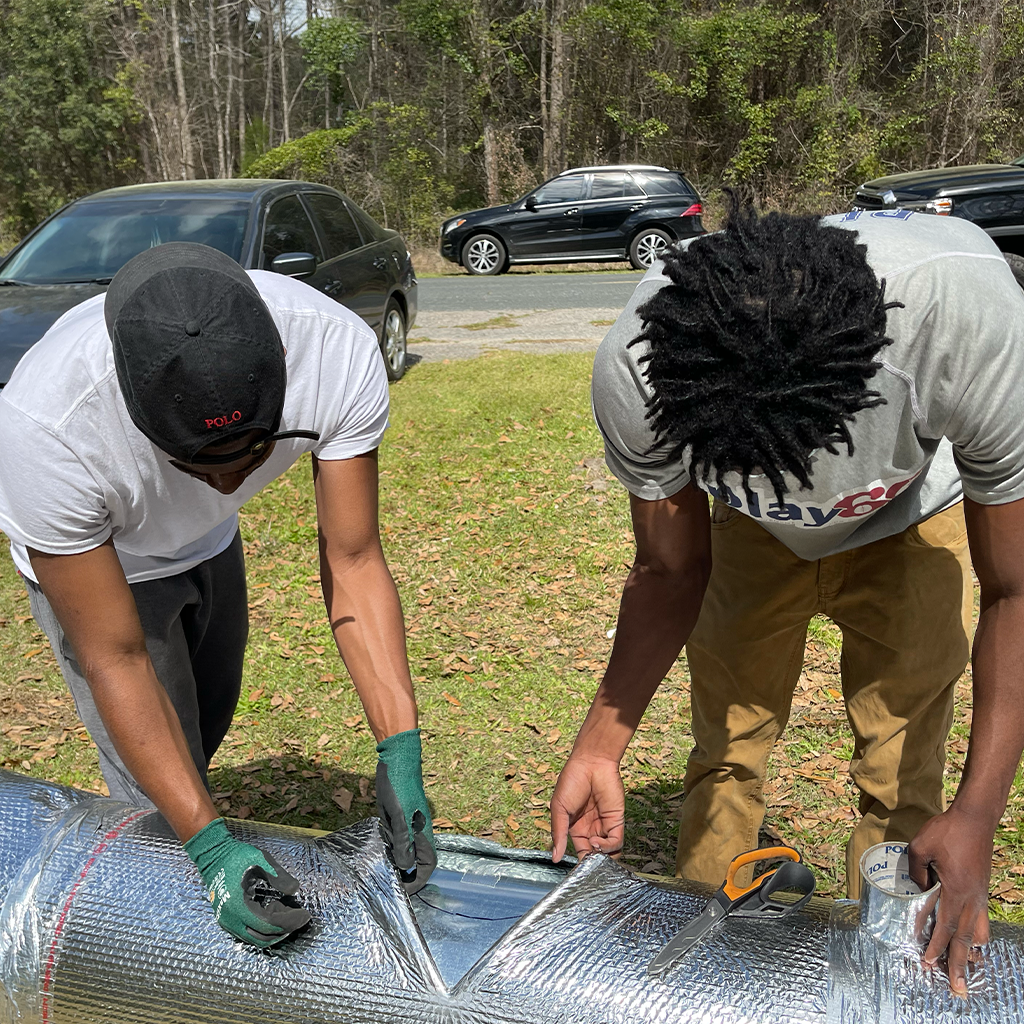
<point>75,470</point>
<point>953,383</point>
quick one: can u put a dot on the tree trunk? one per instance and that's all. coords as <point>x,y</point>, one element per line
<point>491,162</point>
<point>481,32</point>
<point>188,170</point>
<point>267,20</point>
<point>282,37</point>
<point>214,65</point>
<point>555,149</point>
<point>545,119</point>
<point>989,16</point>
<point>243,31</point>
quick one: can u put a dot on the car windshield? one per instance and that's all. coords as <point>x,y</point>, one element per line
<point>91,241</point>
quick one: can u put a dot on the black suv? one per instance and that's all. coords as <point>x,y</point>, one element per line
<point>989,195</point>
<point>627,211</point>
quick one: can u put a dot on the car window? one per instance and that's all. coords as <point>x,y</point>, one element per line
<point>288,229</point>
<point>613,186</point>
<point>370,229</point>
<point>561,190</point>
<point>93,240</point>
<point>339,229</point>
<point>662,183</point>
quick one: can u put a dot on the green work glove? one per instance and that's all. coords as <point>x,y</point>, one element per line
<point>402,808</point>
<point>232,872</point>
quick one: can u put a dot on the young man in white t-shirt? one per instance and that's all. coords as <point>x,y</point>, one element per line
<point>851,393</point>
<point>132,434</point>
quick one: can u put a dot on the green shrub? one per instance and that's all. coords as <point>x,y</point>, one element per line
<point>383,157</point>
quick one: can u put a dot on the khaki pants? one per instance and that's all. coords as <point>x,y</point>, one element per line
<point>904,606</point>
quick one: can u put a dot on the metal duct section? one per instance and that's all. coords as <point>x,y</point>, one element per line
<point>105,922</point>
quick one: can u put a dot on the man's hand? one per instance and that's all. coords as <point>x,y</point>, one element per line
<point>232,872</point>
<point>403,809</point>
<point>958,850</point>
<point>588,804</point>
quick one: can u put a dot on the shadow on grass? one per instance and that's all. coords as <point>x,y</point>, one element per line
<point>293,790</point>
<point>652,825</point>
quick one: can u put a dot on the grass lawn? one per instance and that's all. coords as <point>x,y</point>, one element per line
<point>509,543</point>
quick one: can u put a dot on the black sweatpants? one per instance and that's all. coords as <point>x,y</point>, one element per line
<point>196,625</point>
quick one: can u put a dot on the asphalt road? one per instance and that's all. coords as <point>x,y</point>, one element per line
<point>510,293</point>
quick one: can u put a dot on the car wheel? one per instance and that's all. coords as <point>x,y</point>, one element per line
<point>393,341</point>
<point>647,247</point>
<point>484,254</point>
<point>1016,265</point>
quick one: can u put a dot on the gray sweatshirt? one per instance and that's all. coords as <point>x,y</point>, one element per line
<point>953,382</point>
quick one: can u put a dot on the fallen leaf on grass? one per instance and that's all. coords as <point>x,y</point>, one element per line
<point>343,798</point>
<point>451,700</point>
<point>324,740</point>
<point>443,823</point>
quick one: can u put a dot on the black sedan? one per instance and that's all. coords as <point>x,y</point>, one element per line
<point>291,227</point>
<point>606,213</point>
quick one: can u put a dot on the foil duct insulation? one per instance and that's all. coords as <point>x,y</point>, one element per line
<point>105,922</point>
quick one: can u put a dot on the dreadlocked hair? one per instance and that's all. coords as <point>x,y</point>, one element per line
<point>761,346</point>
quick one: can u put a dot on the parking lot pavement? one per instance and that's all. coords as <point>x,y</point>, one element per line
<point>467,334</point>
<point>463,317</point>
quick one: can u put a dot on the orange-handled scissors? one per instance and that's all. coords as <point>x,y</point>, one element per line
<point>753,901</point>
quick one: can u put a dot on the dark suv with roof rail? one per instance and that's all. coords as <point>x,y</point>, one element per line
<point>989,195</point>
<point>606,213</point>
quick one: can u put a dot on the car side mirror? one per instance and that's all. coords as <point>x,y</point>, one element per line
<point>294,264</point>
<point>531,203</point>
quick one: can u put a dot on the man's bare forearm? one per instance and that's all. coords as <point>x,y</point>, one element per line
<point>656,615</point>
<point>107,638</point>
<point>144,728</point>
<point>369,629</point>
<point>997,725</point>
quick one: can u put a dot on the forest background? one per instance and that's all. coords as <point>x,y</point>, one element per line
<point>417,108</point>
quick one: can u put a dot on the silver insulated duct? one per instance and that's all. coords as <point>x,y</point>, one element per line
<point>104,921</point>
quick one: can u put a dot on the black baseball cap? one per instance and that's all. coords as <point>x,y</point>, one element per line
<point>198,356</point>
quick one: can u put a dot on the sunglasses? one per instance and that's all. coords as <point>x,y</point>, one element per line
<point>253,450</point>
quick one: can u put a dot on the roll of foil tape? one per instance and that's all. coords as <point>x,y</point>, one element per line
<point>876,971</point>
